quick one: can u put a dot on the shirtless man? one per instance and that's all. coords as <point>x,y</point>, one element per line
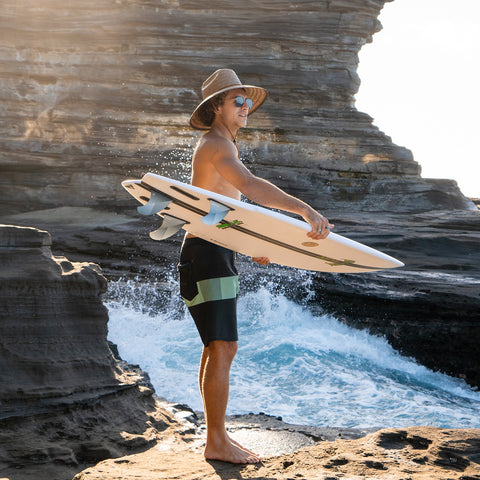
<point>208,277</point>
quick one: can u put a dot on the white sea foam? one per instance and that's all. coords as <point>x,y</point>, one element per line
<point>310,369</point>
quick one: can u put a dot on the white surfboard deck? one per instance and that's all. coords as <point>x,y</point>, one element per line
<point>253,230</point>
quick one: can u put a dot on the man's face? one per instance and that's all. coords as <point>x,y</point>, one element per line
<point>231,112</point>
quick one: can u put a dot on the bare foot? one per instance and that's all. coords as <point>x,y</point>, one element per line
<point>243,448</point>
<point>229,452</point>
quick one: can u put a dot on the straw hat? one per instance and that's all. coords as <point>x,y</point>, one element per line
<point>221,81</point>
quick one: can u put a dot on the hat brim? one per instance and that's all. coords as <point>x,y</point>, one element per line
<point>257,94</point>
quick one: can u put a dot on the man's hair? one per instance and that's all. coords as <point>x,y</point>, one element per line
<point>207,114</point>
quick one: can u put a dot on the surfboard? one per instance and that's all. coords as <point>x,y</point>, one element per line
<point>249,229</point>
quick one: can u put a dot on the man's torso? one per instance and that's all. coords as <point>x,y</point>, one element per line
<point>204,173</point>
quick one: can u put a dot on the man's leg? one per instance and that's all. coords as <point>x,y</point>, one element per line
<point>214,385</point>
<point>201,374</point>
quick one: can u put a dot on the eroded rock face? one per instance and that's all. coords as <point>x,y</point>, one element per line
<point>96,91</point>
<point>65,402</point>
<point>54,324</point>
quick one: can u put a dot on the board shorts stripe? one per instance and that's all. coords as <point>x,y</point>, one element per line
<point>214,289</point>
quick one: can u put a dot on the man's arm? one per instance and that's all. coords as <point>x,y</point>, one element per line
<point>265,193</point>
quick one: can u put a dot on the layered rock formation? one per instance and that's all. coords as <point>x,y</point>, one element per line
<point>65,402</point>
<point>45,300</point>
<point>97,91</point>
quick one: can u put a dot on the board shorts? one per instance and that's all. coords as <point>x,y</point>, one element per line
<point>209,288</point>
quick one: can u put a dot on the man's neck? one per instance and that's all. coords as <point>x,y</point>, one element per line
<point>223,130</point>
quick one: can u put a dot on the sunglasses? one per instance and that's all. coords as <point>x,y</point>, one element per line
<point>240,101</point>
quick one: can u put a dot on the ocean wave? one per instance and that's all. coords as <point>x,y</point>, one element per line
<point>307,367</point>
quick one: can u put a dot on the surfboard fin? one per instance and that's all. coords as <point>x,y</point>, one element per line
<point>216,214</point>
<point>158,201</point>
<point>169,227</point>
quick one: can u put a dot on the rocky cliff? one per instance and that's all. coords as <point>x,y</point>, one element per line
<point>95,91</point>
<point>65,402</point>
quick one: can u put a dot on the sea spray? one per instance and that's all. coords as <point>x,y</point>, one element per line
<point>307,367</point>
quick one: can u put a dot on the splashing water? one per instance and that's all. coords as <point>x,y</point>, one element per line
<point>310,369</point>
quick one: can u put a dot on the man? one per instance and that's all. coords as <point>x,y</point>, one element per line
<point>208,277</point>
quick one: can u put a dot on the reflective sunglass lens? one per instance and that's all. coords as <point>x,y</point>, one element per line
<point>239,101</point>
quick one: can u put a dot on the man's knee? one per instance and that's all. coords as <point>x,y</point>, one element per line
<point>223,350</point>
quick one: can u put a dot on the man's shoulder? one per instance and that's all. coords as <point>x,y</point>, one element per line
<point>211,142</point>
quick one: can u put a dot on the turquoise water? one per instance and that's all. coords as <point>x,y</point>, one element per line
<point>308,368</point>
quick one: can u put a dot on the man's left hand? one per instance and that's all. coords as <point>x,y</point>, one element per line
<point>261,260</point>
<point>320,225</point>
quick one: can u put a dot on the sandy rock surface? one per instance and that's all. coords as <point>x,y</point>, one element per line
<point>417,453</point>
